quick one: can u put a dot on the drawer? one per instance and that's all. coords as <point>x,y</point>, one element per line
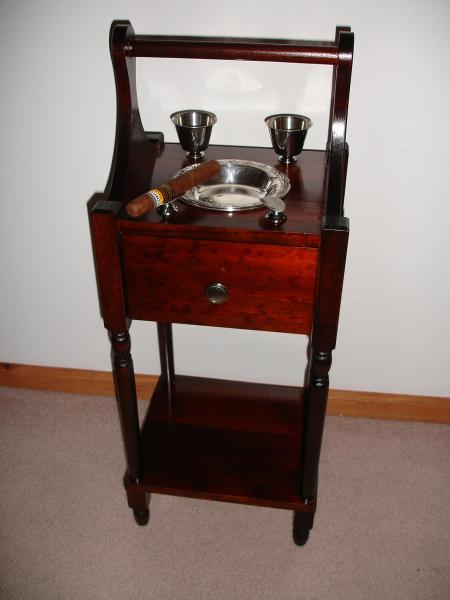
<point>264,287</point>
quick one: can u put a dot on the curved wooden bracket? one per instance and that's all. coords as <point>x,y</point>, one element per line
<point>336,146</point>
<point>134,154</point>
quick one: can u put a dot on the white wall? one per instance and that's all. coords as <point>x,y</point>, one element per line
<point>57,122</point>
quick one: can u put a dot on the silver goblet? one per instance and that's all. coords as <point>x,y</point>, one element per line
<point>194,130</point>
<point>287,134</point>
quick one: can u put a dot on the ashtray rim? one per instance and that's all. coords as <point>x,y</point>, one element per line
<point>278,188</point>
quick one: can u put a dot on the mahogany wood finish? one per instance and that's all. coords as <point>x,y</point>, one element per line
<point>333,253</point>
<point>134,152</point>
<point>107,263</point>
<point>165,343</point>
<point>166,281</point>
<point>223,48</point>
<point>126,395</point>
<point>305,202</point>
<point>337,169</point>
<point>225,440</point>
<point>204,438</point>
<point>323,340</point>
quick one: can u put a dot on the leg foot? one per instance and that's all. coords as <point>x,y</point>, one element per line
<point>300,537</point>
<point>141,516</point>
<point>303,523</point>
<point>138,500</point>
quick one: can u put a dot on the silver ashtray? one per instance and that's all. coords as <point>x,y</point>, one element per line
<point>240,185</point>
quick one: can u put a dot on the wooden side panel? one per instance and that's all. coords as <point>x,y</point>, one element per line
<point>107,263</point>
<point>333,254</point>
<point>270,288</point>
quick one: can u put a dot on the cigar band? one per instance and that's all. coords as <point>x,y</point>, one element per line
<point>156,196</point>
<point>167,192</point>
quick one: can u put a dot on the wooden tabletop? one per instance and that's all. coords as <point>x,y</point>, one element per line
<point>305,202</point>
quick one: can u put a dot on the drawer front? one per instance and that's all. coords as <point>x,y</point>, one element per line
<point>227,284</point>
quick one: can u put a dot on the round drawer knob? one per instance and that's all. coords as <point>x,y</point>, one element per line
<point>216,293</point>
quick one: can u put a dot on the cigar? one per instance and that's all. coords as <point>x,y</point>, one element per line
<point>172,189</point>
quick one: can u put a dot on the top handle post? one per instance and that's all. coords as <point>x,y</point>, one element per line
<point>134,154</point>
<point>337,131</point>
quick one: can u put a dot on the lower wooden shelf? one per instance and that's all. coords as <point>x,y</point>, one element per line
<point>225,440</point>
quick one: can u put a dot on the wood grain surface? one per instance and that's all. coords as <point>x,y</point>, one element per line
<point>224,440</point>
<point>305,202</point>
<point>270,288</point>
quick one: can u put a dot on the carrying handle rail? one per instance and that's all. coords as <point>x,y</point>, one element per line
<point>251,49</point>
<point>126,179</point>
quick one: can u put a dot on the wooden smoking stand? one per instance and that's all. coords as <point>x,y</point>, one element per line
<point>204,438</point>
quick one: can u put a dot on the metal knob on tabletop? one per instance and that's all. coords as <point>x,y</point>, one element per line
<point>216,293</point>
<point>276,215</point>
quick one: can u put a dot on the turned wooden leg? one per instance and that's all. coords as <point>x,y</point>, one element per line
<point>333,249</point>
<point>316,395</point>
<point>302,525</point>
<point>165,343</point>
<point>127,404</point>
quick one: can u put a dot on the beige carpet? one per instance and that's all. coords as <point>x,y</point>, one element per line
<point>382,528</point>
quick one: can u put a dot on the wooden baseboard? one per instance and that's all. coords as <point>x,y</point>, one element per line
<point>75,381</point>
<point>401,407</point>
<point>372,405</point>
